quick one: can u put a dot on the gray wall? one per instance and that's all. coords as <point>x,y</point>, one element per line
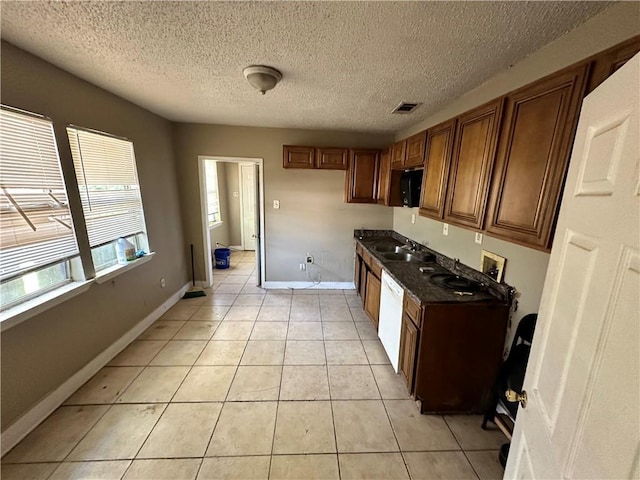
<point>312,216</point>
<point>234,217</point>
<point>525,267</point>
<point>44,351</point>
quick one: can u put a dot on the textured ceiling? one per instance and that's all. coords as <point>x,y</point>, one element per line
<point>346,65</point>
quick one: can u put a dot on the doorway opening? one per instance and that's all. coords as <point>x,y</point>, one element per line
<point>232,201</point>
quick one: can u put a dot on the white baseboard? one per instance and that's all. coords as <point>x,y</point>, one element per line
<point>310,285</point>
<point>30,420</point>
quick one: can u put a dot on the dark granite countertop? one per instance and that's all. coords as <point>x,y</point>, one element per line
<point>417,283</point>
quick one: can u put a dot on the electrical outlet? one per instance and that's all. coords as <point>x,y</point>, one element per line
<point>276,204</point>
<point>413,218</point>
<point>479,238</point>
<point>309,258</point>
<point>163,283</point>
<point>445,229</point>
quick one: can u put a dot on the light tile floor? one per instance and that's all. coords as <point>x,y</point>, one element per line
<point>246,383</point>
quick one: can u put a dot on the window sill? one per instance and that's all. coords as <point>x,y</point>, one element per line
<point>18,314</point>
<point>112,272</point>
<point>213,226</point>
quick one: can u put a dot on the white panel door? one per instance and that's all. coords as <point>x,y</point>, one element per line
<point>582,419</point>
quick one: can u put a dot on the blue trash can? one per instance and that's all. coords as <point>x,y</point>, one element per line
<point>223,255</point>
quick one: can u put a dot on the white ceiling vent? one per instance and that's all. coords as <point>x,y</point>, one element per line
<point>406,107</point>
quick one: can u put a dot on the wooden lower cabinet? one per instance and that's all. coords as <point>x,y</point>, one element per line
<point>408,349</point>
<point>459,352</point>
<point>356,273</point>
<point>372,298</point>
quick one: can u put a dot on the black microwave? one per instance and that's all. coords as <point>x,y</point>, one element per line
<point>410,185</point>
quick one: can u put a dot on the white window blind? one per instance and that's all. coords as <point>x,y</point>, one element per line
<point>35,222</point>
<point>213,201</point>
<point>108,182</point>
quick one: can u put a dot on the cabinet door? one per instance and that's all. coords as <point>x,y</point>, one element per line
<point>363,284</point>
<point>388,182</point>
<point>298,157</point>
<point>408,351</point>
<point>372,302</point>
<point>356,273</point>
<point>436,170</point>
<point>607,62</point>
<point>332,158</point>
<point>398,152</point>
<point>473,155</point>
<point>384,177</point>
<point>539,126</point>
<point>362,176</point>
<point>414,156</point>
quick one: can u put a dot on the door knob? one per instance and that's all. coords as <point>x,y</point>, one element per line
<point>513,396</point>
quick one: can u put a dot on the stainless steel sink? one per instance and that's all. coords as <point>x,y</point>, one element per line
<point>408,257</point>
<point>388,248</point>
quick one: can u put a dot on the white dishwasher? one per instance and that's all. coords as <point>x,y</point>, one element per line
<point>390,322</point>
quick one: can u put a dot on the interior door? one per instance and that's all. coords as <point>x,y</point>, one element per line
<point>583,407</point>
<point>248,189</point>
<point>257,229</point>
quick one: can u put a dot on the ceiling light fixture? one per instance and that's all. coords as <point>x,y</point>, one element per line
<point>262,78</point>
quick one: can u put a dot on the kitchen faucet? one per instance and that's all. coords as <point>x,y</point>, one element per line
<point>456,263</point>
<point>411,245</point>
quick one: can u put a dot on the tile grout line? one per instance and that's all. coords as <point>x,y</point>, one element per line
<point>213,431</point>
<point>110,405</point>
<point>167,404</point>
<point>333,419</point>
<point>460,445</point>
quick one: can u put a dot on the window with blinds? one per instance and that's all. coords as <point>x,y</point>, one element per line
<point>213,201</point>
<point>108,183</point>
<point>36,230</point>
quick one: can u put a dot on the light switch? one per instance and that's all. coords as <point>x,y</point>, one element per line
<point>479,238</point>
<point>445,229</point>
<point>276,204</point>
<point>413,218</point>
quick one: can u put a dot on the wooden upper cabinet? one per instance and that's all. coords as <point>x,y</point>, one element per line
<point>535,145</point>
<point>436,169</point>
<point>298,157</point>
<point>362,176</point>
<point>398,153</point>
<point>332,158</point>
<point>414,156</point>
<point>606,63</point>
<point>388,182</point>
<point>471,165</point>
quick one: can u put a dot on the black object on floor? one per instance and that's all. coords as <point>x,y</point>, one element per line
<point>193,292</point>
<point>512,371</point>
<point>504,453</point>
